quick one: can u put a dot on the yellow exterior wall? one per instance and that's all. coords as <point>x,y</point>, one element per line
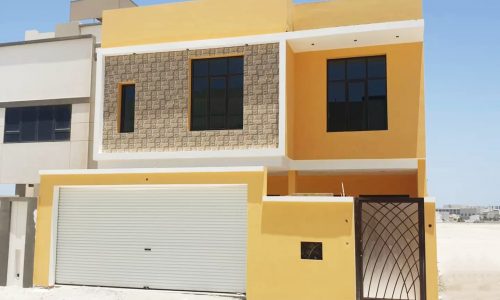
<point>353,12</point>
<point>404,74</point>
<point>283,274</point>
<point>431,251</point>
<point>256,182</point>
<point>193,20</point>
<point>422,178</point>
<point>277,185</point>
<point>275,230</point>
<point>206,19</point>
<point>421,149</point>
<point>354,184</point>
<point>275,270</point>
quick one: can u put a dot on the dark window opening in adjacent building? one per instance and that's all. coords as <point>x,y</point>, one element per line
<point>357,94</point>
<point>127,108</point>
<point>217,93</point>
<point>37,124</point>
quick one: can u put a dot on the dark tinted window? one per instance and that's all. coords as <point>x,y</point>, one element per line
<point>37,124</point>
<point>217,93</point>
<point>357,94</point>
<point>127,113</point>
<point>45,123</point>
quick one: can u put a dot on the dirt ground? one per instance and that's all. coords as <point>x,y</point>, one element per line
<point>469,261</point>
<point>96,293</point>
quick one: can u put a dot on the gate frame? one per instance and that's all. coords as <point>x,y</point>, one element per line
<point>359,242</point>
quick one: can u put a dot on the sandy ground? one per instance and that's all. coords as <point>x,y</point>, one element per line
<point>469,261</point>
<point>468,256</point>
<point>94,293</point>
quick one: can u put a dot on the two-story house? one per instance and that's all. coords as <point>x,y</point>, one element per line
<point>261,147</point>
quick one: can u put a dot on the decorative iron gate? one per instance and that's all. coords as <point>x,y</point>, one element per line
<point>390,249</point>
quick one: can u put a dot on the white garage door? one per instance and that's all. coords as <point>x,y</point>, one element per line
<point>179,237</point>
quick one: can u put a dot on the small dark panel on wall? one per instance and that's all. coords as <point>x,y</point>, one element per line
<point>311,250</point>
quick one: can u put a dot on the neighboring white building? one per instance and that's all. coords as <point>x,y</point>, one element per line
<point>463,212</point>
<point>45,121</point>
<point>491,215</point>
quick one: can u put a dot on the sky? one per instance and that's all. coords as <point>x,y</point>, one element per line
<point>462,80</point>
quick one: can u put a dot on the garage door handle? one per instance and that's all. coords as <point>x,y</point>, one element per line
<point>147,249</point>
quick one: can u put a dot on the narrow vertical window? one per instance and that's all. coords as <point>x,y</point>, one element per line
<point>12,125</point>
<point>62,123</point>
<point>127,108</point>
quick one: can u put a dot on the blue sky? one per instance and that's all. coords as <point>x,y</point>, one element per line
<point>462,89</point>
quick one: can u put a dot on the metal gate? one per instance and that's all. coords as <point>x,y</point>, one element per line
<point>390,249</point>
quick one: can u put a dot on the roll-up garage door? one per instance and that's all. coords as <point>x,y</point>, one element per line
<point>178,237</point>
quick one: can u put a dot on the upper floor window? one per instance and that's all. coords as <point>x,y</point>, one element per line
<point>127,108</point>
<point>217,93</point>
<point>357,94</point>
<point>37,124</point>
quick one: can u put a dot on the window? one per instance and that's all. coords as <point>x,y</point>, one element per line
<point>217,93</point>
<point>127,108</point>
<point>37,124</point>
<point>357,94</point>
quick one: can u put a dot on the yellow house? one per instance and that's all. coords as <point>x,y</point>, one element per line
<point>260,147</point>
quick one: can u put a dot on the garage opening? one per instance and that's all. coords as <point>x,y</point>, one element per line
<point>175,237</point>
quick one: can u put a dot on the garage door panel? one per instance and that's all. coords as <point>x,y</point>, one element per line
<point>197,236</point>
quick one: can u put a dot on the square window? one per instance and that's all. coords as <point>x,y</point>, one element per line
<point>357,94</point>
<point>217,94</point>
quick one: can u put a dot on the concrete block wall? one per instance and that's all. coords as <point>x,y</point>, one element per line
<point>162,102</point>
<point>4,239</point>
<point>29,243</point>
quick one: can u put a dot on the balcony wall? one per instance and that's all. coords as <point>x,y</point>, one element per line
<point>194,20</point>
<point>331,13</point>
<point>46,69</point>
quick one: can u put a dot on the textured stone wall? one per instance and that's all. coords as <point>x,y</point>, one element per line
<point>162,102</point>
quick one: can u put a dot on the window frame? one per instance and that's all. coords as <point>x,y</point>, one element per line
<point>54,129</point>
<point>209,77</point>
<point>119,110</point>
<point>365,100</point>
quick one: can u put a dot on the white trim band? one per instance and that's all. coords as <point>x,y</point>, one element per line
<point>392,164</point>
<point>151,171</point>
<point>308,199</point>
<point>430,200</point>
